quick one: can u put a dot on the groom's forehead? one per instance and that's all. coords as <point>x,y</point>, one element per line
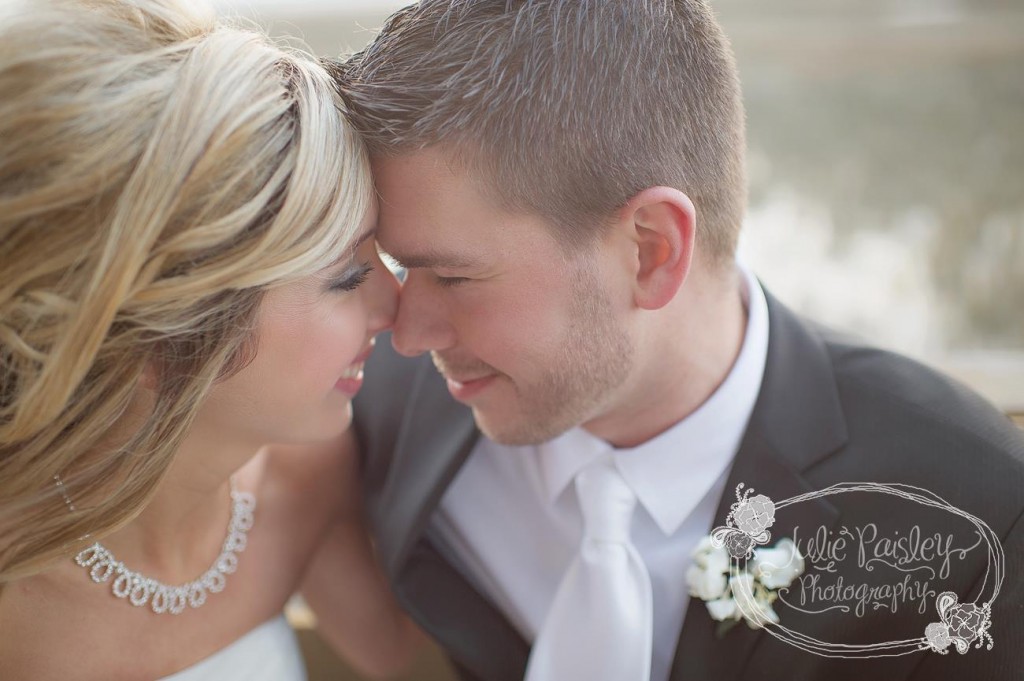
<point>420,175</point>
<point>436,214</point>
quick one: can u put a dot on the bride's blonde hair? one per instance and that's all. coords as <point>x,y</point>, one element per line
<point>158,171</point>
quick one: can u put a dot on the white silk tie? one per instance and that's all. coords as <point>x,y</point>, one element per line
<point>599,627</point>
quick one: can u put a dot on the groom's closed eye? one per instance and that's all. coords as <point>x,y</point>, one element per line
<point>449,282</point>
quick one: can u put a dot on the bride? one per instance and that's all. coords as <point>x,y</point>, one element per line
<point>189,275</point>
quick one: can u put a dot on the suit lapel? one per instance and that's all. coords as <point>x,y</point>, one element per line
<point>797,421</point>
<point>434,438</point>
<point>433,441</point>
<point>467,625</point>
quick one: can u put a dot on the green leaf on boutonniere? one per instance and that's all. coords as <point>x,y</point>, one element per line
<point>724,626</point>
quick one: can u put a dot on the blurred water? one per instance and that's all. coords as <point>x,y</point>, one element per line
<point>887,157</point>
<point>886,146</point>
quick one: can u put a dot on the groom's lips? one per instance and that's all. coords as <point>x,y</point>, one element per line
<point>464,389</point>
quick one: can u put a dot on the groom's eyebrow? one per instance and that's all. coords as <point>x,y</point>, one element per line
<point>431,259</point>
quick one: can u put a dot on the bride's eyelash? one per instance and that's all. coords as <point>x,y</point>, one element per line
<point>353,280</point>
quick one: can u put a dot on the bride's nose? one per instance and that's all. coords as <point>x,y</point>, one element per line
<point>382,298</point>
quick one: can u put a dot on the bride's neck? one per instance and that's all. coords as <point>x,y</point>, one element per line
<point>182,529</point>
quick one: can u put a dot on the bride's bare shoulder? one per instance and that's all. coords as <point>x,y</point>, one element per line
<point>17,656</point>
<point>35,613</point>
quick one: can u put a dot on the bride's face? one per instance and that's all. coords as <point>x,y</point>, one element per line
<point>313,336</point>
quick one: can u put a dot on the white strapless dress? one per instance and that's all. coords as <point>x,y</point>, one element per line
<point>270,652</point>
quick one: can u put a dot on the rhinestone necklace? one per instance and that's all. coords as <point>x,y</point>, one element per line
<point>140,590</point>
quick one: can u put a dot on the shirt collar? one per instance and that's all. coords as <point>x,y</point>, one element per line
<point>672,472</point>
<point>565,456</point>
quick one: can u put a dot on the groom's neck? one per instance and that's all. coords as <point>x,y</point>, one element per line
<point>687,350</point>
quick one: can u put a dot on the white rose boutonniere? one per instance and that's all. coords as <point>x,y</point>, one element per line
<point>747,588</point>
<point>732,592</point>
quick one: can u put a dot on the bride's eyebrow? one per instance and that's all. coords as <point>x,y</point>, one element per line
<point>350,252</point>
<point>362,239</point>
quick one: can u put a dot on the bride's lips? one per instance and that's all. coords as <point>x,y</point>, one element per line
<point>352,378</point>
<point>467,388</point>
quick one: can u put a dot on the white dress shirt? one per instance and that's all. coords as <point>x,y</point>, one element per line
<point>511,523</point>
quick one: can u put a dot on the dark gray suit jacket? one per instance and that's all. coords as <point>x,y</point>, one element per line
<point>829,411</point>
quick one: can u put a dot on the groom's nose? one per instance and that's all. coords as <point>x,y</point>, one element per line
<point>422,322</point>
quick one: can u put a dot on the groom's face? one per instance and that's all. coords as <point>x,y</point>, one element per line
<point>528,335</point>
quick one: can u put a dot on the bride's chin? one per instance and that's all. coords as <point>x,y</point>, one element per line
<point>341,424</point>
<point>346,420</point>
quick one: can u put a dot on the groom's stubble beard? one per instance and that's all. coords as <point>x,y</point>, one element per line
<point>576,383</point>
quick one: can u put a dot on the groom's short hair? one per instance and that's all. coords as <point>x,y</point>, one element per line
<point>565,108</point>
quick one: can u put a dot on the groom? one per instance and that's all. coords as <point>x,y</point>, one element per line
<point>563,182</point>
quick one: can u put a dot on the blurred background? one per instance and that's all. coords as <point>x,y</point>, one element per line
<point>886,158</point>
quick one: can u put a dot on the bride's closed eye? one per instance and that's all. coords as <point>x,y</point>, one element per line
<point>352,278</point>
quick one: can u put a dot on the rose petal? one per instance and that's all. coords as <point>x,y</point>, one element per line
<point>743,591</point>
<point>704,584</point>
<point>704,546</point>
<point>694,580</point>
<point>717,560</point>
<point>779,566</point>
<point>723,609</point>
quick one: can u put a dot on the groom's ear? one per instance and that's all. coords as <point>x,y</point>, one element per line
<point>658,224</point>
